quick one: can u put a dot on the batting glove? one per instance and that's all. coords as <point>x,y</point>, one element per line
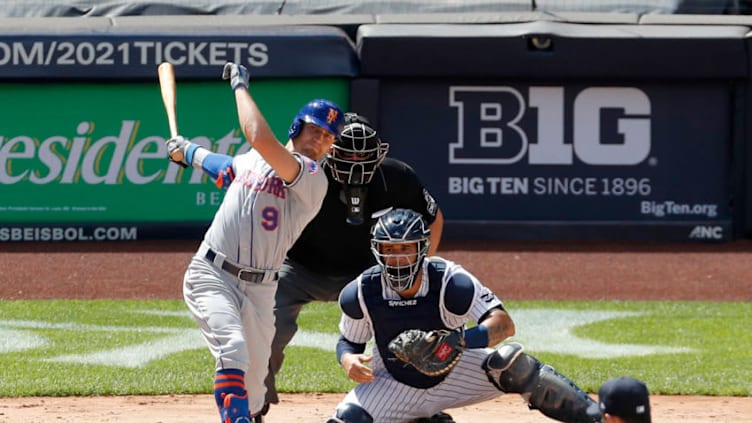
<point>237,74</point>
<point>180,150</point>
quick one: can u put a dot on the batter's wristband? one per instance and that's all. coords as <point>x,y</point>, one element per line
<point>190,151</point>
<point>476,337</point>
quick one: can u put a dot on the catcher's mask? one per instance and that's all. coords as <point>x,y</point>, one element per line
<point>400,226</point>
<point>357,152</point>
<point>319,112</point>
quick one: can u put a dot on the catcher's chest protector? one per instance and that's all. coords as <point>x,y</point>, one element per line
<point>392,317</point>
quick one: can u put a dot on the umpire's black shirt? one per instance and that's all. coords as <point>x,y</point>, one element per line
<point>331,246</point>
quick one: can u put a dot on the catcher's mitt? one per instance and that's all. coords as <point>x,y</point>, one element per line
<point>432,353</point>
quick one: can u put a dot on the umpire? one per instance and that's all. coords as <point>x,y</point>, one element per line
<point>335,246</point>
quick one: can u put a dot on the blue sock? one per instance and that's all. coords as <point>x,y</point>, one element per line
<point>228,381</point>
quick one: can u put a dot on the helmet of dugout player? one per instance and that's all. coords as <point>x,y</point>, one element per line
<point>319,112</point>
<point>400,226</point>
<point>357,152</point>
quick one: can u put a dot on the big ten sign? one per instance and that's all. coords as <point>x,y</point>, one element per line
<point>603,154</point>
<point>489,130</point>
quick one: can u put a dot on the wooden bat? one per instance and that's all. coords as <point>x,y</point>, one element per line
<point>169,97</point>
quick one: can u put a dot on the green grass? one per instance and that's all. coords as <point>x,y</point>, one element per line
<point>64,347</point>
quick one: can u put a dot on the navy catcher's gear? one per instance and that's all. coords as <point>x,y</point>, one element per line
<point>513,371</point>
<point>351,413</point>
<point>400,226</point>
<point>322,113</point>
<point>357,152</point>
<point>440,417</point>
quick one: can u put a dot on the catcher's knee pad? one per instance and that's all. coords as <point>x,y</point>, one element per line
<point>350,413</point>
<point>509,369</point>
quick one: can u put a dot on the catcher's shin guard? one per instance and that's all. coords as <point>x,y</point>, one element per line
<point>440,417</point>
<point>553,394</point>
<point>350,413</point>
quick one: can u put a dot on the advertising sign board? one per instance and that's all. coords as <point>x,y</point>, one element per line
<point>635,156</point>
<point>88,161</point>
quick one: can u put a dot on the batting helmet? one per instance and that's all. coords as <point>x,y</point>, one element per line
<point>400,226</point>
<point>319,112</point>
<point>357,152</point>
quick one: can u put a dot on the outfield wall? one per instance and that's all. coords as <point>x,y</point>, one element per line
<point>523,126</point>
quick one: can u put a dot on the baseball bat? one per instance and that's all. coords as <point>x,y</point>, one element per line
<point>169,97</point>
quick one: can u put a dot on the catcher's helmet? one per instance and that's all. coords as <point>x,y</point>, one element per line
<point>400,226</point>
<point>357,152</point>
<point>319,112</point>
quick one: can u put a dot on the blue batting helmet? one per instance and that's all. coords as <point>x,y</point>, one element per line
<point>319,112</point>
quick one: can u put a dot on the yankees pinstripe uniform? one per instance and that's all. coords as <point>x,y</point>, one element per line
<point>372,310</point>
<point>409,291</point>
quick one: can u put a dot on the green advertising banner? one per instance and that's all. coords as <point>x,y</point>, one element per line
<point>79,154</point>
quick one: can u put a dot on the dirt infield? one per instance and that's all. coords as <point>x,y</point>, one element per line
<point>318,407</point>
<point>515,270</point>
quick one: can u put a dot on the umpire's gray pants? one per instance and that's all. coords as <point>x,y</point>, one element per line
<point>297,287</point>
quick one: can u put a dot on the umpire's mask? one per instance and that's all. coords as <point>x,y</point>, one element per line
<point>357,152</point>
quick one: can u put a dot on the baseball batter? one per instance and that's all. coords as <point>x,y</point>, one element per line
<point>408,290</point>
<point>230,283</point>
<point>335,246</point>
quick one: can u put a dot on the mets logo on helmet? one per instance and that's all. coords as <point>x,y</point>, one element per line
<point>332,116</point>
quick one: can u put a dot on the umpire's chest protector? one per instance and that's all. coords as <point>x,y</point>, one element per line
<point>391,317</point>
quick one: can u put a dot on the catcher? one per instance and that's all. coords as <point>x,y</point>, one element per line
<point>425,359</point>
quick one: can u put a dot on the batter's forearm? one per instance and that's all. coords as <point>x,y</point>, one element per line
<point>252,122</point>
<point>258,133</point>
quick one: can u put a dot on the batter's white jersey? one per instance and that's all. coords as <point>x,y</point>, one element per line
<point>261,216</point>
<point>387,399</point>
<point>230,284</point>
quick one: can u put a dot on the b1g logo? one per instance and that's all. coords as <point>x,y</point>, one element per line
<point>489,121</point>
